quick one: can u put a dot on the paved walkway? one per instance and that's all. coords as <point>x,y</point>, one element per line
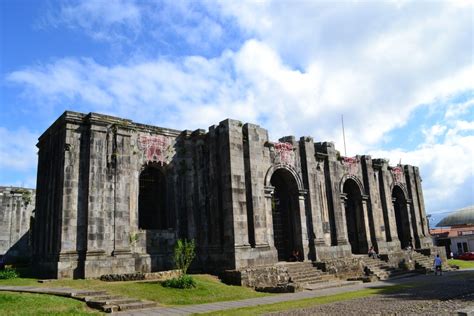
<point>220,306</point>
<point>210,307</point>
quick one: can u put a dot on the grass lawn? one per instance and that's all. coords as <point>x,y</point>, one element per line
<point>309,302</point>
<point>208,289</point>
<point>463,264</point>
<point>38,304</point>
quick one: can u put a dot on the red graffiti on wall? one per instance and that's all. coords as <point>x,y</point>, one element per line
<point>397,173</point>
<point>284,154</point>
<point>157,148</point>
<point>352,164</point>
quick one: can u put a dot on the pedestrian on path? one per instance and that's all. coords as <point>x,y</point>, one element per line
<point>437,265</point>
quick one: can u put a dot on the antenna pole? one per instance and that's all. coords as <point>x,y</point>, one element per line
<point>343,134</point>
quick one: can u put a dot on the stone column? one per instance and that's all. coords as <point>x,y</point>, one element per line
<point>410,221</point>
<point>234,201</point>
<point>392,222</point>
<point>374,206</point>
<point>304,231</point>
<point>98,202</point>
<point>122,175</point>
<point>364,201</point>
<point>341,221</point>
<point>255,167</point>
<point>310,174</point>
<point>269,215</point>
<point>417,221</point>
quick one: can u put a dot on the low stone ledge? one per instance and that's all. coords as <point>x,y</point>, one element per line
<point>139,276</point>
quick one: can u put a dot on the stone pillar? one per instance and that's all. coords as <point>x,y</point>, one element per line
<point>69,215</point>
<point>122,175</point>
<point>98,202</point>
<point>364,201</point>
<point>426,240</point>
<point>255,138</point>
<point>374,207</point>
<point>234,207</point>
<point>410,220</point>
<point>313,205</point>
<point>304,231</point>
<point>341,222</point>
<point>268,191</point>
<point>417,221</point>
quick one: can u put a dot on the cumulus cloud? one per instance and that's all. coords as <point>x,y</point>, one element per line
<point>18,149</point>
<point>292,68</point>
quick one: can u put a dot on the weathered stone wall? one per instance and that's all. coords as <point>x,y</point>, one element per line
<point>344,268</point>
<point>258,276</point>
<point>16,211</point>
<point>216,188</point>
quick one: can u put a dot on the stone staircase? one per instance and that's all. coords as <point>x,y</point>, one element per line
<point>308,277</point>
<point>423,263</point>
<point>100,300</point>
<point>381,269</point>
<point>111,303</point>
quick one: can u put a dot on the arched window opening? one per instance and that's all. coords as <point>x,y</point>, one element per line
<point>401,217</point>
<point>355,218</point>
<point>152,208</point>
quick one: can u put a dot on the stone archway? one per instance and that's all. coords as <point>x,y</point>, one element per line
<point>402,216</point>
<point>287,230</point>
<point>356,220</point>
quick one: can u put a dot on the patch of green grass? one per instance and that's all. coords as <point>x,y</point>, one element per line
<point>309,302</point>
<point>463,264</point>
<point>208,289</point>
<point>25,304</point>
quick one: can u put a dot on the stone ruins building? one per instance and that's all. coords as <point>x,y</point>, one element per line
<point>113,196</point>
<point>16,210</point>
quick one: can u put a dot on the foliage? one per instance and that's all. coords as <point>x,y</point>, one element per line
<point>8,273</point>
<point>183,282</point>
<point>26,195</point>
<point>184,254</point>
<point>133,238</point>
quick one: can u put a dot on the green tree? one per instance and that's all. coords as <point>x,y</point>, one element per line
<point>184,253</point>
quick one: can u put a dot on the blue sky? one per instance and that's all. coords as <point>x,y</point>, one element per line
<point>401,72</point>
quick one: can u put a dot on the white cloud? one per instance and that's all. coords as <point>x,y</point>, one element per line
<point>299,68</point>
<point>103,20</point>
<point>447,166</point>
<point>458,109</point>
<point>18,149</point>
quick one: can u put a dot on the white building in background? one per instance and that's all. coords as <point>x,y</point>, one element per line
<point>458,236</point>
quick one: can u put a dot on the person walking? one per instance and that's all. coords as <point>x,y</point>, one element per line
<point>437,263</point>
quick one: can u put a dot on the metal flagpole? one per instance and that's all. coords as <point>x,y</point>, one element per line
<point>343,135</point>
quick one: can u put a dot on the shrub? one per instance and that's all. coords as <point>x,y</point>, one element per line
<point>184,254</point>
<point>8,273</point>
<point>182,282</point>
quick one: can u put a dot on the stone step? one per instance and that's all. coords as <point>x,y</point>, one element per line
<point>98,297</point>
<point>307,280</point>
<point>134,306</point>
<point>305,274</point>
<point>116,301</point>
<point>300,269</point>
<point>327,285</point>
<point>85,293</point>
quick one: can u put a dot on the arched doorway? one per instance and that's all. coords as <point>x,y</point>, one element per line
<point>401,216</point>
<point>286,214</point>
<point>152,212</point>
<point>355,217</point>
